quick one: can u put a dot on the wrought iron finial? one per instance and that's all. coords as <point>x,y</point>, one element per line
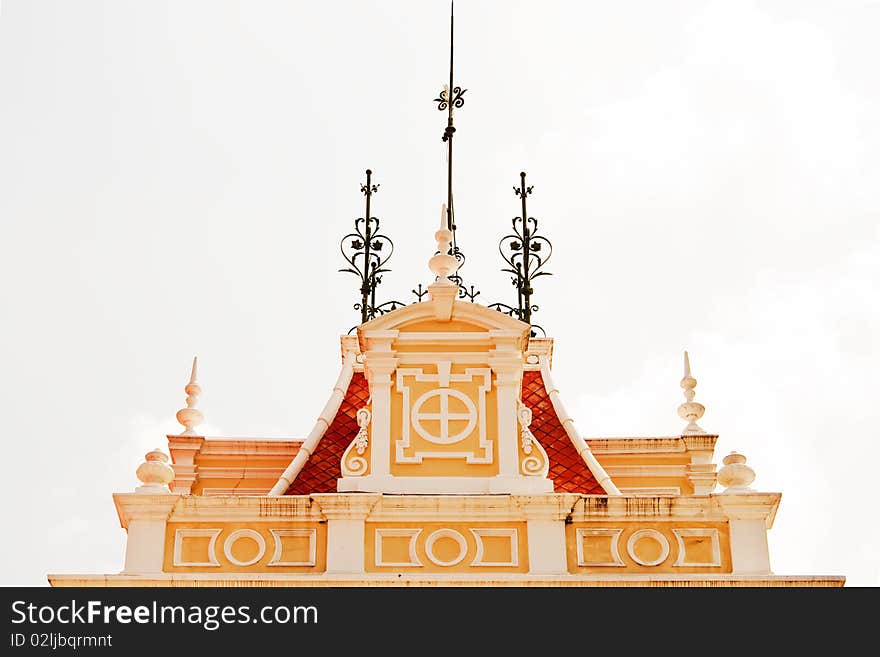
<point>421,292</point>
<point>367,250</point>
<point>526,254</point>
<point>448,100</point>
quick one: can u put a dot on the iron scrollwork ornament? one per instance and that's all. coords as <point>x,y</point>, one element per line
<point>525,253</point>
<point>367,250</point>
<point>443,101</point>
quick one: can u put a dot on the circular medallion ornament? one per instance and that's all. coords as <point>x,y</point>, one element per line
<point>456,416</point>
<point>654,547</point>
<point>240,534</point>
<point>442,534</point>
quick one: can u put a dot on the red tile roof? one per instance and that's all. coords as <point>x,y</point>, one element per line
<point>567,469</point>
<point>323,468</point>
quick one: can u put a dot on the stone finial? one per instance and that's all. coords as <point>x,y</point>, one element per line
<point>736,476</point>
<point>443,264</point>
<point>690,411</point>
<point>155,474</point>
<point>191,417</point>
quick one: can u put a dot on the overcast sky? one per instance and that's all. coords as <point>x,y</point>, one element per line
<point>175,178</point>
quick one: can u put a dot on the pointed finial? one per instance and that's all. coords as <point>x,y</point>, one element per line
<point>155,474</point>
<point>690,411</point>
<point>191,417</point>
<point>448,100</point>
<point>443,264</point>
<point>736,476</point>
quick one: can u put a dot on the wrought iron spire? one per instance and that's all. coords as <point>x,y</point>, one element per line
<point>450,98</point>
<point>367,251</point>
<point>526,253</point>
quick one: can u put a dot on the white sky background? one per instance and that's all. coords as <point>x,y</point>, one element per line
<point>175,178</point>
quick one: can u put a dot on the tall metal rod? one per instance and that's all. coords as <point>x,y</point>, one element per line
<point>526,296</point>
<point>450,128</point>
<point>368,285</point>
<point>450,98</point>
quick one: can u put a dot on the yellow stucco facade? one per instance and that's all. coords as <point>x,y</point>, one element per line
<point>445,457</point>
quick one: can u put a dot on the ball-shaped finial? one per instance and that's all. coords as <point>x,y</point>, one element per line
<point>736,476</point>
<point>154,473</point>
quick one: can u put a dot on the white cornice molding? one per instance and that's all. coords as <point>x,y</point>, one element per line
<point>245,509</point>
<point>466,311</point>
<point>700,441</point>
<point>718,507</point>
<point>134,506</point>
<point>447,508</point>
<point>498,484</point>
<point>678,471</point>
<point>462,337</point>
<point>249,446</point>
<point>442,579</point>
<point>536,348</point>
<point>636,445</point>
<point>749,506</point>
<point>235,491</point>
<point>341,506</point>
<point>546,507</point>
<point>421,357</point>
<point>233,472</point>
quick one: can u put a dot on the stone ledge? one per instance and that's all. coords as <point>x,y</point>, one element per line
<point>344,580</point>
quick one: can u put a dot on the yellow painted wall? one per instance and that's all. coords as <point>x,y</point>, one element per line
<point>684,486</point>
<point>437,326</point>
<point>598,540</point>
<point>407,545</point>
<point>244,549</point>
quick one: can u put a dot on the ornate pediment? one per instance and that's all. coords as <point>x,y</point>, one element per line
<point>445,377</point>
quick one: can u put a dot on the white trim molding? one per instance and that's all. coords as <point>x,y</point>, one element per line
<point>411,416</point>
<point>244,533</point>
<point>707,532</point>
<point>583,449</point>
<point>650,490</point>
<point>279,534</point>
<point>412,534</point>
<point>456,536</point>
<point>516,484</point>
<point>496,532</point>
<point>180,534</point>
<point>321,425</point>
<point>648,533</point>
<point>614,534</point>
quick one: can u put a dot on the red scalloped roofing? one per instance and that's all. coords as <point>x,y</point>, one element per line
<point>323,468</point>
<point>567,469</point>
